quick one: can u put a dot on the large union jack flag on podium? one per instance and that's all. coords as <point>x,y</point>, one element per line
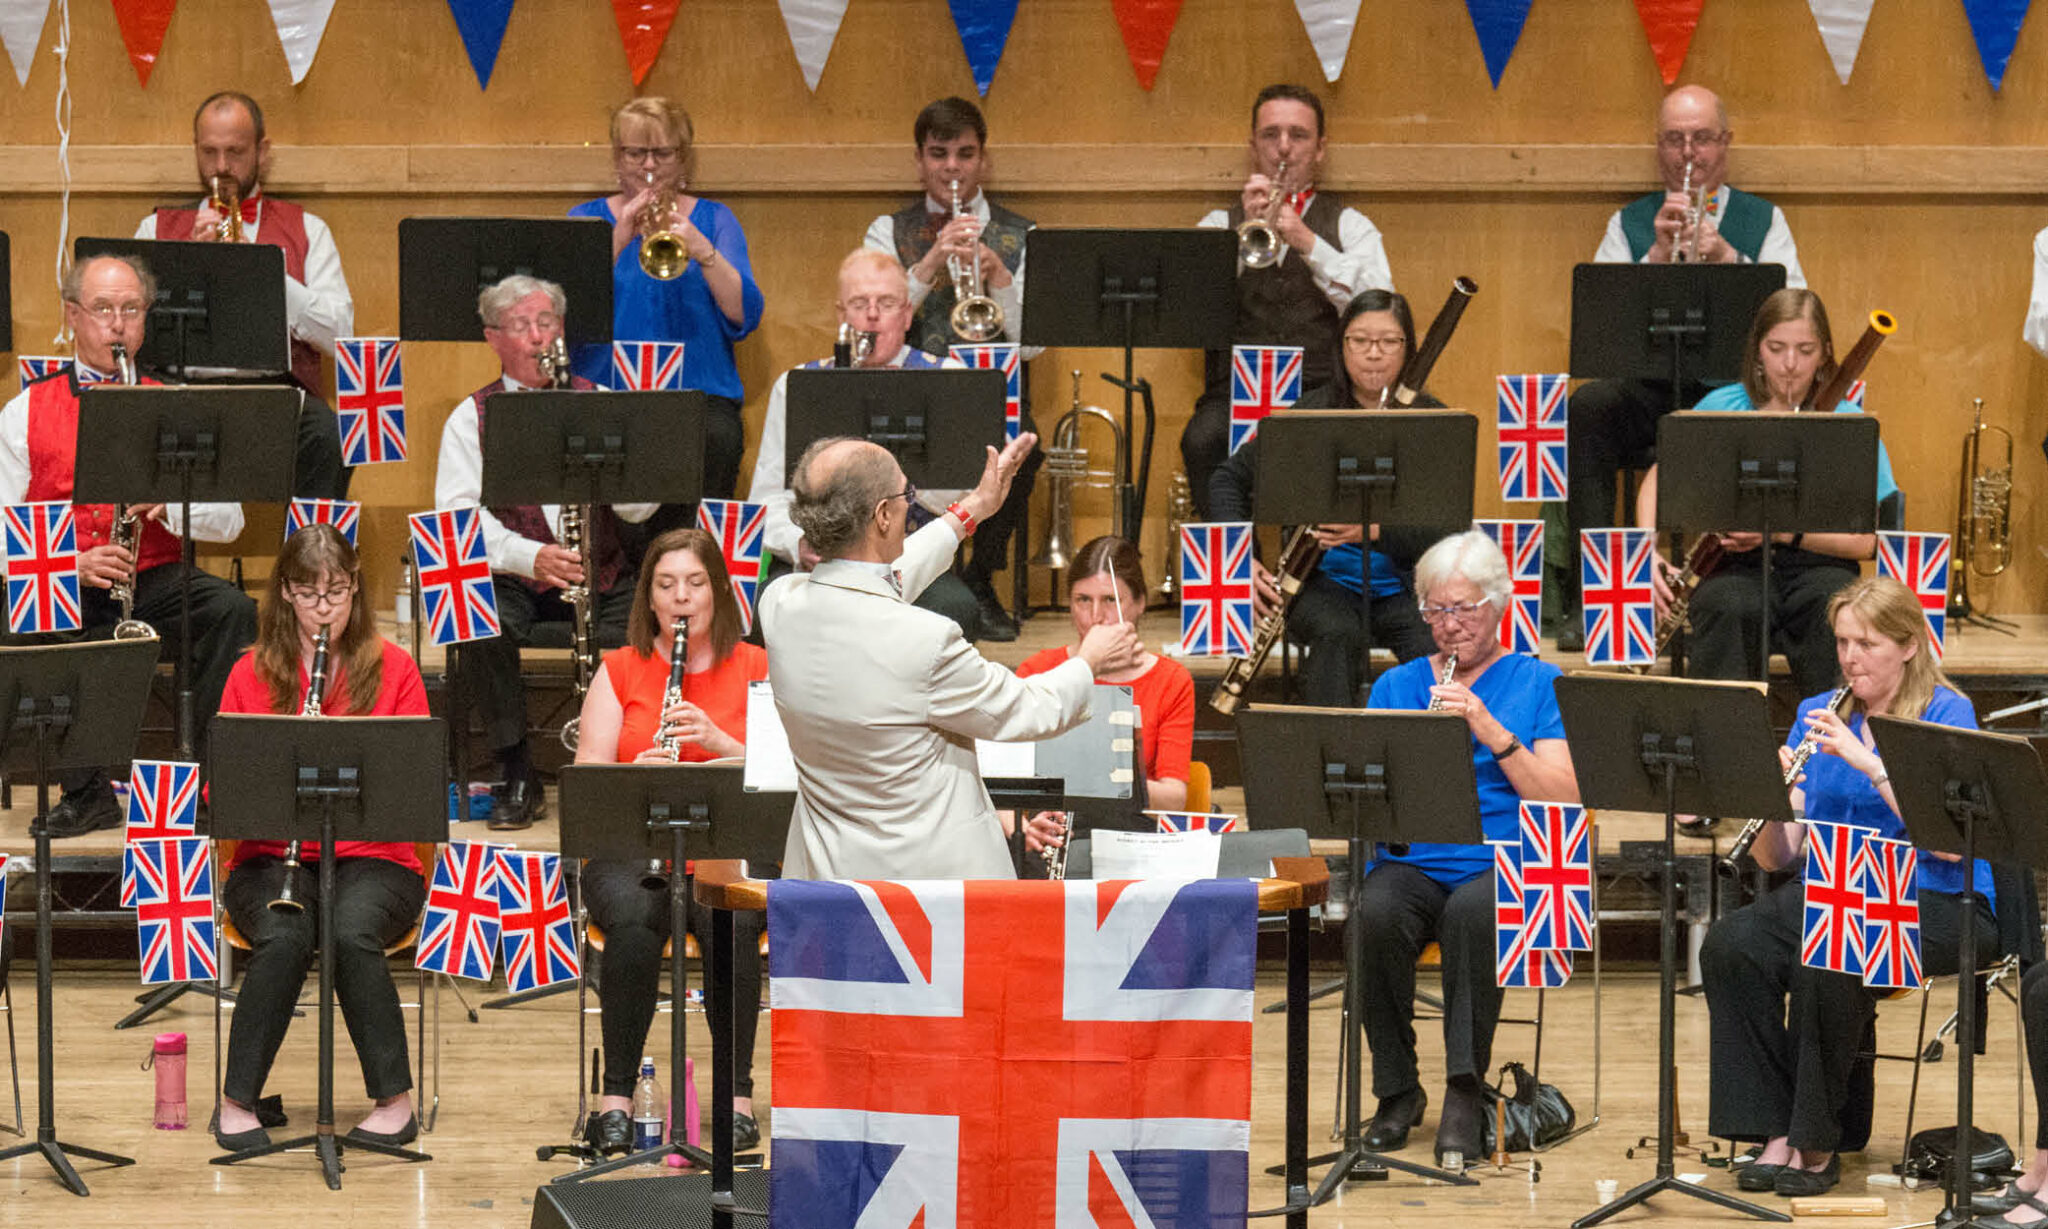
<point>1530,411</point>
<point>647,366</point>
<point>459,934</point>
<point>1517,963</point>
<point>1522,542</point>
<point>42,568</point>
<point>1620,608</point>
<point>1262,379</point>
<point>1920,561</point>
<point>1891,914</point>
<point>369,400</point>
<point>345,515</point>
<point>32,367</point>
<point>163,801</point>
<point>1008,359</point>
<point>1831,936</point>
<point>455,575</point>
<point>737,526</point>
<point>1557,875</point>
<point>534,926</point>
<point>1216,589</point>
<point>927,1073</point>
<point>174,909</point>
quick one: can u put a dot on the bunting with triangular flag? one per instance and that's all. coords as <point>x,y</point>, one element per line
<point>643,26</point>
<point>143,24</point>
<point>1146,25</point>
<point>21,29</point>
<point>300,26</point>
<point>1498,23</point>
<point>984,27</point>
<point>482,26</point>
<point>1995,24</point>
<point>1842,23</point>
<point>1670,25</point>
<point>813,27</point>
<point>1329,24</point>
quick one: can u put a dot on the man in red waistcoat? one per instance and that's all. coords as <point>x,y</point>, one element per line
<point>106,301</point>
<point>522,317</point>
<point>228,140</point>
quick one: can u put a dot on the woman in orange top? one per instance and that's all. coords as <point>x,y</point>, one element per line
<point>379,889</point>
<point>624,721</point>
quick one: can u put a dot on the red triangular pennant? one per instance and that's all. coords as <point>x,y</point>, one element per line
<point>1670,25</point>
<point>1146,25</point>
<point>143,23</point>
<point>643,25</point>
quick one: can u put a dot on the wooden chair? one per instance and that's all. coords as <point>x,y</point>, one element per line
<point>1199,787</point>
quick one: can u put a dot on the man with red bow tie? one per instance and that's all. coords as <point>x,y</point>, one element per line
<point>228,140</point>
<point>1329,252</point>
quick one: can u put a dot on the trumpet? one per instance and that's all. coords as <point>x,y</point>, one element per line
<point>316,694</point>
<point>1687,249</point>
<point>1066,467</point>
<point>1983,541</point>
<point>1800,754</point>
<point>975,316</point>
<point>1258,239</point>
<point>224,197</point>
<point>662,253</point>
<point>126,534</point>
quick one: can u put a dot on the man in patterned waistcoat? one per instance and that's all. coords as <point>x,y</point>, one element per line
<point>522,317</point>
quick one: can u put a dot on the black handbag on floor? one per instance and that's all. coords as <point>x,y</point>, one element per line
<point>1537,1114</point>
<point>1929,1156</point>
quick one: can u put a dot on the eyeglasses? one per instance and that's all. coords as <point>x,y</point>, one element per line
<point>1705,138</point>
<point>1367,345</point>
<point>310,598</point>
<point>106,312</point>
<point>643,153</point>
<point>1463,612</point>
<point>536,325</point>
<point>887,305</point>
<point>908,494</point>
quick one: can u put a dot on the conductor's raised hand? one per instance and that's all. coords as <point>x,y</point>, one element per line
<point>997,472</point>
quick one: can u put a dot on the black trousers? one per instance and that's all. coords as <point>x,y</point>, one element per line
<point>948,595</point>
<point>1205,442</point>
<point>1403,910</point>
<point>1328,618</point>
<point>320,473</point>
<point>1611,423</point>
<point>2034,1016</point>
<point>1728,615</point>
<point>635,921</point>
<point>725,439</point>
<point>490,668</point>
<point>376,902</point>
<point>1785,1036</point>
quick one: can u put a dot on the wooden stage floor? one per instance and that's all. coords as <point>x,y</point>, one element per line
<point>508,1086</point>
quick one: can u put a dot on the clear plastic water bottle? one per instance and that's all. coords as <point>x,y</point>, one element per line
<point>650,1109</point>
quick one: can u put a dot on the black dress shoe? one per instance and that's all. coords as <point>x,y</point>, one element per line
<point>746,1133</point>
<point>242,1141</point>
<point>610,1133</point>
<point>1388,1130</point>
<point>521,803</point>
<point>1793,1182</point>
<point>84,810</point>
<point>270,1112</point>
<point>1573,638</point>
<point>392,1139</point>
<point>1757,1176</point>
<point>996,623</point>
<point>1460,1126</point>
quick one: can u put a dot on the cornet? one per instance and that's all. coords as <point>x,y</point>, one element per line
<point>1983,541</point>
<point>1258,239</point>
<point>662,253</point>
<point>976,316</point>
<point>224,197</point>
<point>1687,249</point>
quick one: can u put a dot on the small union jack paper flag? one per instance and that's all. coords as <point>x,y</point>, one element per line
<point>1522,543</point>
<point>42,568</point>
<point>1831,936</point>
<point>455,575</point>
<point>33,367</point>
<point>737,526</point>
<point>1193,821</point>
<point>369,400</point>
<point>535,929</point>
<point>1006,358</point>
<point>163,801</point>
<point>647,366</point>
<point>1557,875</point>
<point>1891,914</point>
<point>1517,964</point>
<point>174,909</point>
<point>1531,415</point>
<point>3,883</point>
<point>1262,379</point>
<point>1216,589</point>
<point>459,934</point>
<point>1854,396</point>
<point>343,514</point>
<point>1620,609</point>
<point>1920,562</point>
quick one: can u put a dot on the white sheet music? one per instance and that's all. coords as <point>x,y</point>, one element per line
<point>770,766</point>
<point>1154,855</point>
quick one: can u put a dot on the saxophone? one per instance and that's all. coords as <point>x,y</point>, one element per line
<point>126,534</point>
<point>1800,754</point>
<point>316,693</point>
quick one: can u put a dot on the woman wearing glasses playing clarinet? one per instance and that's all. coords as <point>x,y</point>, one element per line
<point>639,710</point>
<point>379,887</point>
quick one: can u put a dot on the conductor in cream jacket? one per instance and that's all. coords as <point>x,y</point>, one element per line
<point>882,700</point>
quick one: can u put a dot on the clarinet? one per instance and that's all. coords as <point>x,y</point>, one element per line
<point>1436,703</point>
<point>316,692</point>
<point>655,877</point>
<point>126,532</point>
<point>1800,754</point>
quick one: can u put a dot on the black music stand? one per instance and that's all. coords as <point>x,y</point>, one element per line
<point>65,706</point>
<point>651,812</point>
<point>443,263</point>
<point>1980,795</point>
<point>1378,777</point>
<point>1671,745</point>
<point>1768,473</point>
<point>217,304</point>
<point>171,445</point>
<point>348,778</point>
<point>937,423</point>
<point>1394,468</point>
<point>1131,290</point>
<point>1676,323</point>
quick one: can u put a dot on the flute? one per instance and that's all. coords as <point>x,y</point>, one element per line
<point>1800,754</point>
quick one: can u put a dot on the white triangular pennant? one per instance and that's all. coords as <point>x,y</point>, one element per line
<point>813,27</point>
<point>1329,24</point>
<point>1842,23</point>
<point>21,28</point>
<point>300,25</point>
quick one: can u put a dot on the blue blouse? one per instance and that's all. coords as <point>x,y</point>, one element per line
<point>1736,397</point>
<point>1340,563</point>
<point>1838,794</point>
<point>648,309</point>
<point>1517,690</point>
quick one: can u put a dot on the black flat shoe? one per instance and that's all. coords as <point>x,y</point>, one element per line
<point>518,806</point>
<point>1793,1182</point>
<point>746,1133</point>
<point>610,1133</point>
<point>1459,1127</point>
<point>395,1139</point>
<point>1757,1176</point>
<point>1388,1130</point>
<point>2020,1200</point>
<point>242,1141</point>
<point>270,1112</point>
<point>91,809</point>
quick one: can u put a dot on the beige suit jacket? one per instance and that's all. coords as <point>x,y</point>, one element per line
<point>882,702</point>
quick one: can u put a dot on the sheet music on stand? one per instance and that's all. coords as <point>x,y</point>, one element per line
<point>1155,855</point>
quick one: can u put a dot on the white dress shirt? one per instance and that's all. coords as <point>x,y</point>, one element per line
<point>316,310</point>
<point>459,483</point>
<point>2036,330</point>
<point>882,237</point>
<point>1777,249</point>
<point>1340,272</point>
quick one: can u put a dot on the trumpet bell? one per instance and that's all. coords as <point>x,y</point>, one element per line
<point>663,256</point>
<point>1258,245</point>
<point>977,318</point>
<point>133,629</point>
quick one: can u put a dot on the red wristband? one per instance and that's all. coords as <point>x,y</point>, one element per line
<point>966,518</point>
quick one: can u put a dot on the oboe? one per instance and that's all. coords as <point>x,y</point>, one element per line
<point>316,693</point>
<point>1800,754</point>
<point>655,877</point>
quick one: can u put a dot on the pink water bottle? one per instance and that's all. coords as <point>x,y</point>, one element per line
<point>167,1056</point>
<point>693,1132</point>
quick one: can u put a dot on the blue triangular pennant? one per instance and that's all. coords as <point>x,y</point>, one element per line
<point>1498,23</point>
<point>482,23</point>
<point>984,27</point>
<point>1996,25</point>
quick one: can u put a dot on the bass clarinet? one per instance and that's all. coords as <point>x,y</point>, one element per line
<point>655,877</point>
<point>1800,754</point>
<point>316,694</point>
